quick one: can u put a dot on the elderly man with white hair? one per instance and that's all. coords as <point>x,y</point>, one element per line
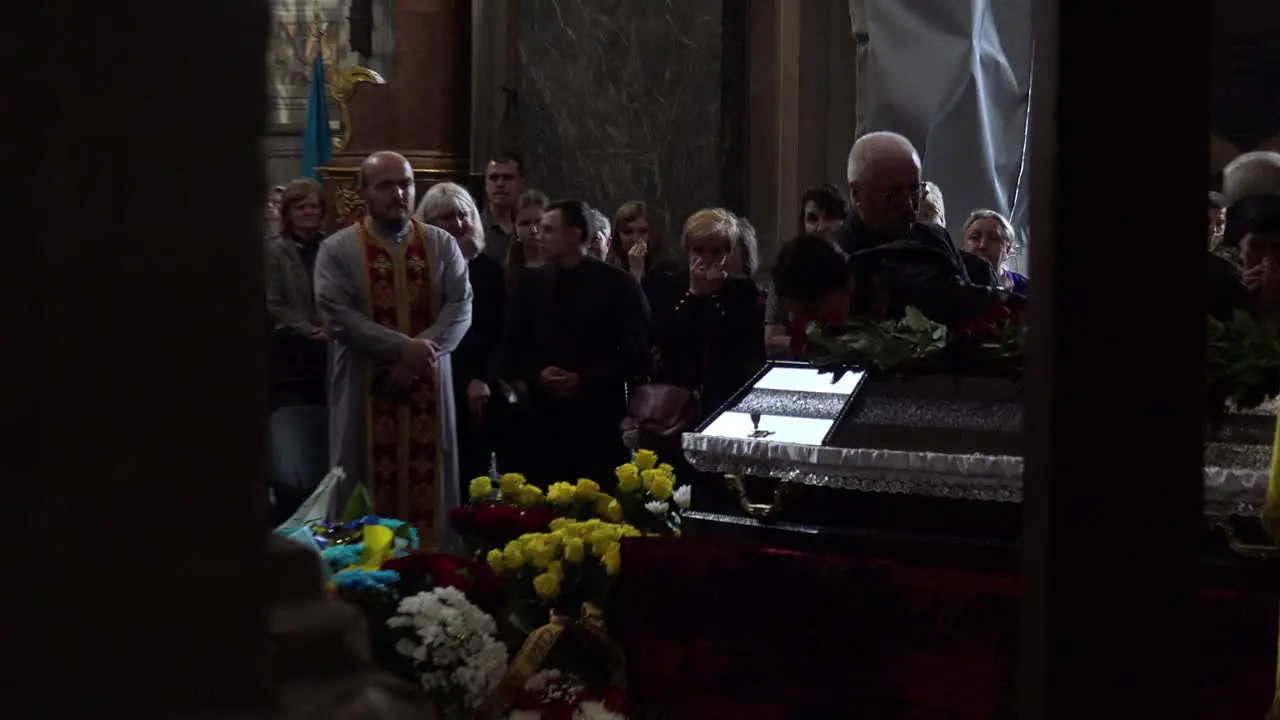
<point>887,190</point>
<point>1253,173</point>
<point>1251,191</point>
<point>895,260</point>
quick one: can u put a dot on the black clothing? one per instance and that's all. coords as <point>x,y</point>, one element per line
<point>922,269</point>
<point>478,355</point>
<point>1225,289</point>
<point>308,250</point>
<point>478,358</point>
<point>980,271</point>
<point>658,271</point>
<point>711,344</point>
<point>592,320</point>
<point>655,280</point>
<point>298,369</point>
<point>855,237</point>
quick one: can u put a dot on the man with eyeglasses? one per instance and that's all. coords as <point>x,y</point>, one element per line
<point>895,260</point>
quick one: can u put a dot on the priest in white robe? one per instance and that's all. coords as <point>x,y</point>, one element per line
<point>395,300</point>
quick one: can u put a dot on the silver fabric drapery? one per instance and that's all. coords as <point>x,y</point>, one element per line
<point>954,76</point>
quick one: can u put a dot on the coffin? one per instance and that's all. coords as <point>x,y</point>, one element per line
<point>925,463</point>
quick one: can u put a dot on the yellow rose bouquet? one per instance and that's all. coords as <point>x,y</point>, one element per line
<point>649,496</point>
<point>573,563</point>
<point>500,512</point>
<point>510,489</point>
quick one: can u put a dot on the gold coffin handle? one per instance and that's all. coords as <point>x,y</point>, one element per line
<point>343,88</point>
<point>1248,550</point>
<point>760,511</point>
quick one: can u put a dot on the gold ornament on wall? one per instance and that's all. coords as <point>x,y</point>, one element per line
<point>342,86</point>
<point>347,205</point>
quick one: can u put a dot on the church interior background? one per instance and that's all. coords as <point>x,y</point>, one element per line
<point>143,585</point>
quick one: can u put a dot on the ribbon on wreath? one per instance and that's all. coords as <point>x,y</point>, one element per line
<point>533,655</point>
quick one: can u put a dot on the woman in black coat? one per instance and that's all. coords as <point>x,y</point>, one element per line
<point>478,397</point>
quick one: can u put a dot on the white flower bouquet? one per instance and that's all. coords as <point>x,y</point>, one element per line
<point>452,647</point>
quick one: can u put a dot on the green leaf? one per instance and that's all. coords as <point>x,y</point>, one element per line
<point>358,506</point>
<point>916,320</point>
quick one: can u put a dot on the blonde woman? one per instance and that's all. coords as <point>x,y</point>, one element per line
<point>707,320</point>
<point>932,208</point>
<point>451,208</point>
<point>744,261</point>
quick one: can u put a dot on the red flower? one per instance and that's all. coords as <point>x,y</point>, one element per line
<point>977,327</point>
<point>486,588</point>
<point>799,343</point>
<point>475,579</point>
<point>499,524</point>
<point>614,701</point>
<point>442,569</point>
<point>997,316</point>
<point>465,519</point>
<point>426,563</point>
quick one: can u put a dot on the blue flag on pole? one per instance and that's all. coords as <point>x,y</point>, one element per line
<point>317,144</point>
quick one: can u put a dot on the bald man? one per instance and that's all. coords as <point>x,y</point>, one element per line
<point>394,297</point>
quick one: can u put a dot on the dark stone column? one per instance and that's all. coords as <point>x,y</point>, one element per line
<point>134,396</point>
<point>623,101</point>
<point>1113,485</point>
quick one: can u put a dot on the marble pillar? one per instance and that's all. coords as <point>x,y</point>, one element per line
<point>422,112</point>
<point>135,393</point>
<point>495,75</point>
<point>625,100</point>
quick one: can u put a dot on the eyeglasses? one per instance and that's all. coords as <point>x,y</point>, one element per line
<point>910,192</point>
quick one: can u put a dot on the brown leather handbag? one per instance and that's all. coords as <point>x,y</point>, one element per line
<point>658,412</point>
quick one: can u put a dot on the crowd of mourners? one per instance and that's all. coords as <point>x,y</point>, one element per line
<point>589,330</point>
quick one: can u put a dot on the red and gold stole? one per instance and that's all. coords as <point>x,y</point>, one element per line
<point>403,434</point>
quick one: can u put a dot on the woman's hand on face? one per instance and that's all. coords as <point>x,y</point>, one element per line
<point>636,257</point>
<point>705,277</point>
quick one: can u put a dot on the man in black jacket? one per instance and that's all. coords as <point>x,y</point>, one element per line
<point>578,336</point>
<point>895,260</point>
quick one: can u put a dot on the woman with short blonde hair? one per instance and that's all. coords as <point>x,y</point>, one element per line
<point>710,224</point>
<point>706,320</point>
<point>744,261</point>
<point>451,208</point>
<point>932,207</point>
